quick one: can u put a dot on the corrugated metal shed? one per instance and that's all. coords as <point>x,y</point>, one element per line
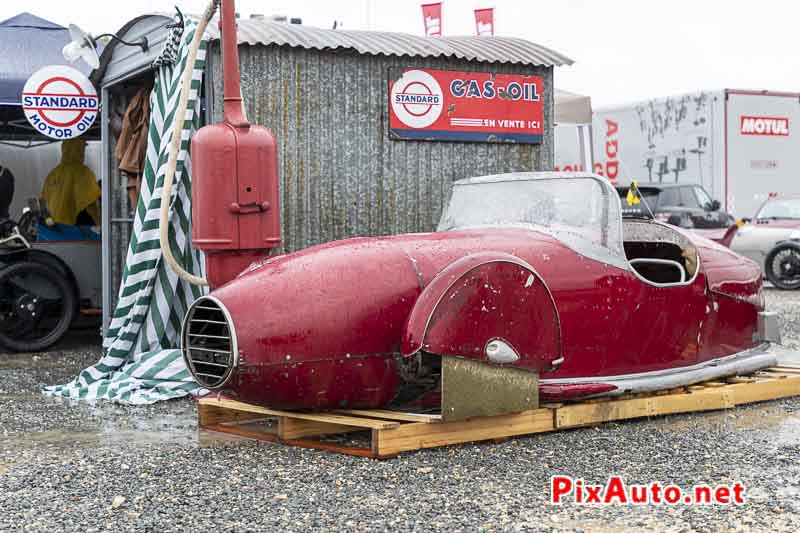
<point>483,49</point>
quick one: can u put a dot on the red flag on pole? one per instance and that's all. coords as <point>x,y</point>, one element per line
<point>484,21</point>
<point>432,16</point>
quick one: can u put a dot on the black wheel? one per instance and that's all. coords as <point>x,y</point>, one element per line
<point>37,305</point>
<point>782,266</point>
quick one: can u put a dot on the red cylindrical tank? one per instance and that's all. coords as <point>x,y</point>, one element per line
<point>235,210</point>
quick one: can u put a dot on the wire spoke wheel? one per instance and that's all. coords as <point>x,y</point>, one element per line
<point>37,305</point>
<point>783,267</point>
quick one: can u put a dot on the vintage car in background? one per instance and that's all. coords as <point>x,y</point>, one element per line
<point>530,276</point>
<point>49,281</point>
<point>685,205</point>
<point>772,239</point>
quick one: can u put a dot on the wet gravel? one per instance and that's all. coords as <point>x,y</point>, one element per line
<point>78,467</point>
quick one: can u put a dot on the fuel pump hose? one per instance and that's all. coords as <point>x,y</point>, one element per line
<point>175,145</point>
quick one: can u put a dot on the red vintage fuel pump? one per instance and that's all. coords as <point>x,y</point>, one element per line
<point>235,210</point>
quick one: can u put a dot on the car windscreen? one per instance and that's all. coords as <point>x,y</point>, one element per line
<point>703,199</point>
<point>787,208</point>
<point>578,211</point>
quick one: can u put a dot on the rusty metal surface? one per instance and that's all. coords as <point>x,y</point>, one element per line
<point>340,174</point>
<point>471,48</point>
<point>471,389</point>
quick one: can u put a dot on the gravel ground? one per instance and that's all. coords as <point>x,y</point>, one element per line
<point>79,467</point>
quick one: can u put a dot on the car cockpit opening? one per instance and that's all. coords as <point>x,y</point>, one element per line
<point>658,254</point>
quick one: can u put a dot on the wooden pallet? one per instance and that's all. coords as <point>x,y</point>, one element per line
<point>385,433</point>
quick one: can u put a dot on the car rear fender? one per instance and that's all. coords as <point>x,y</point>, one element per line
<point>728,273</point>
<point>491,307</point>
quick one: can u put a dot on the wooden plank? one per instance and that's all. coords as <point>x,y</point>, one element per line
<point>209,415</point>
<point>740,379</point>
<point>295,428</point>
<point>586,414</point>
<point>708,399</point>
<point>391,415</point>
<point>417,436</point>
<point>765,390</point>
<point>241,431</point>
<point>786,368</point>
<point>582,414</point>
<point>329,418</point>
<point>776,374</point>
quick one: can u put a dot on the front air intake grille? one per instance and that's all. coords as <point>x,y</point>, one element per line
<point>209,342</point>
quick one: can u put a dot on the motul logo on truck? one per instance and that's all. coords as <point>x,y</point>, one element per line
<point>764,126</point>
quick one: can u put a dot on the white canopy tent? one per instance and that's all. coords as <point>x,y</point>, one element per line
<point>572,108</point>
<point>573,131</point>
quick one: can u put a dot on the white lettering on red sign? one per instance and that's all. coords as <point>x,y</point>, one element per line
<point>763,125</point>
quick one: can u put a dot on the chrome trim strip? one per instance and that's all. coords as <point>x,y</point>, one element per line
<point>739,363</point>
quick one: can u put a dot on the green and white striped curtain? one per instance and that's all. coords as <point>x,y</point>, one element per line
<point>141,363</point>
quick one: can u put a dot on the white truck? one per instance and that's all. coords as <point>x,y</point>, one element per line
<point>741,146</point>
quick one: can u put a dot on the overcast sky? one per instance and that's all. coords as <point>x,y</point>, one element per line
<point>624,50</point>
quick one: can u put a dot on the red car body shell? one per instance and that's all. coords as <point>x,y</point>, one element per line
<point>327,326</point>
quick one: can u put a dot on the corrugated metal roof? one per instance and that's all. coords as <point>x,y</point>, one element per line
<point>488,49</point>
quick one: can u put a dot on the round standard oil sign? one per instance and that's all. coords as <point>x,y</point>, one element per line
<point>60,102</point>
<point>417,99</point>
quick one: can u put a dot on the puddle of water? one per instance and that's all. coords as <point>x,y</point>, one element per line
<point>110,426</point>
<point>783,426</point>
<point>106,437</point>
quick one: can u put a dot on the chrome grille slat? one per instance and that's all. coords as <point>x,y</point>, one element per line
<point>209,350</point>
<point>212,376</point>
<point>209,343</point>
<point>200,335</point>
<point>201,363</point>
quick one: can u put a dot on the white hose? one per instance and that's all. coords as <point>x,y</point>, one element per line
<point>175,146</point>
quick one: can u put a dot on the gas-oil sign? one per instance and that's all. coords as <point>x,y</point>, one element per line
<point>449,105</point>
<point>60,102</point>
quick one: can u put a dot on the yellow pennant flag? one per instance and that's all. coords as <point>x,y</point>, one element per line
<point>633,199</point>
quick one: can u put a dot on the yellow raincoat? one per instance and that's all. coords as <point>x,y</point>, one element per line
<point>71,187</point>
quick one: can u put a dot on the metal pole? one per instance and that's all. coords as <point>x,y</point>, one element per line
<point>105,212</point>
<point>232,91</point>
